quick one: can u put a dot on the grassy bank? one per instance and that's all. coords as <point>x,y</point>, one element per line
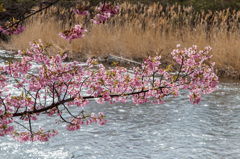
<point>140,30</point>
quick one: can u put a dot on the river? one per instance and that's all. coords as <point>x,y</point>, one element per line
<point>174,130</point>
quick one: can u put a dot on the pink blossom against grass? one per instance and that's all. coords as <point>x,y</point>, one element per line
<point>81,9</point>
<point>108,8</point>
<point>74,33</point>
<point>9,30</point>
<point>80,12</point>
<point>105,12</point>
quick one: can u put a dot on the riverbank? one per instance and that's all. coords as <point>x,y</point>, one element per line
<point>139,31</point>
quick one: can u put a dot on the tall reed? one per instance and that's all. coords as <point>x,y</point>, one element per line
<point>140,30</point>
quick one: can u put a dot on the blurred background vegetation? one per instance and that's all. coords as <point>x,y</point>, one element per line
<point>17,8</point>
<point>196,4</point>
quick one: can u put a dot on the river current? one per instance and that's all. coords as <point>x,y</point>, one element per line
<point>174,130</point>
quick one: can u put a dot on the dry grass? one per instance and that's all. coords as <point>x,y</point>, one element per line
<point>138,31</point>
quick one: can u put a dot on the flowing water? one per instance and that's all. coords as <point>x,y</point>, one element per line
<point>176,129</point>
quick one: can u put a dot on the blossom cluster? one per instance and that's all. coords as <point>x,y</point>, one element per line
<point>75,124</point>
<point>202,77</point>
<point>81,10</point>
<point>74,33</point>
<point>9,29</point>
<point>105,12</point>
<point>40,135</point>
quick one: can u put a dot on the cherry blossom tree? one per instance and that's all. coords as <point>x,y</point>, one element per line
<point>58,87</point>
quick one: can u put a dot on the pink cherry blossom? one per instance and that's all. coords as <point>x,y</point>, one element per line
<point>80,12</point>
<point>105,12</point>
<point>9,30</point>
<point>74,33</point>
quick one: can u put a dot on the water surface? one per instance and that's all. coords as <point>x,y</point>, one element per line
<point>176,129</point>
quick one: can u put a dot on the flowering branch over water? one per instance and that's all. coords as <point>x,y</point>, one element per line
<point>60,86</point>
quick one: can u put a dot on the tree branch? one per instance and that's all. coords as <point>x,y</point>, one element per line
<point>28,16</point>
<point>71,99</point>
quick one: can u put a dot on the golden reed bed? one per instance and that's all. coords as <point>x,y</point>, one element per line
<point>139,30</point>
